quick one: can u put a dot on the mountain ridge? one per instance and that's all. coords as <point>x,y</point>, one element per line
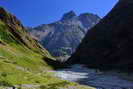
<point>62,37</point>
<point>108,45</point>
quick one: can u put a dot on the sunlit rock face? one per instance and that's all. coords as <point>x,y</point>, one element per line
<point>62,37</point>
<point>109,44</point>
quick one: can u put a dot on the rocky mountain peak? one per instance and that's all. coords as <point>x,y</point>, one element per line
<point>2,12</point>
<point>69,15</point>
<point>9,18</point>
<point>88,19</point>
<point>62,37</point>
<point>4,15</point>
<point>88,15</point>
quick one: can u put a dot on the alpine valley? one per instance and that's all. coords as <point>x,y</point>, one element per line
<point>23,62</point>
<point>61,38</point>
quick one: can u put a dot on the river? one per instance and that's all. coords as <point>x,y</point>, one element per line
<point>100,80</point>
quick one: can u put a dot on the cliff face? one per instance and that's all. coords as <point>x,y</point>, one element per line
<point>109,44</point>
<point>62,37</point>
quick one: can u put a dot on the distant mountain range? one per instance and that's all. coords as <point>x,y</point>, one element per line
<point>62,37</point>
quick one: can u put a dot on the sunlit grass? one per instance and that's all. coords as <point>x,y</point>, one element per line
<point>20,64</point>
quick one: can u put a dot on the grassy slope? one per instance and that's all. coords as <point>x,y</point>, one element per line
<point>20,63</point>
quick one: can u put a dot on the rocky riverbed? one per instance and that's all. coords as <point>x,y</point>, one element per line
<point>95,78</point>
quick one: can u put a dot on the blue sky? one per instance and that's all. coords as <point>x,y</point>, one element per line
<point>36,12</point>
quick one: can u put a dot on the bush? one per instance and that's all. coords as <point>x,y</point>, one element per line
<point>4,74</point>
<point>4,83</point>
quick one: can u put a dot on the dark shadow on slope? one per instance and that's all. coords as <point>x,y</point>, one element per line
<point>54,64</point>
<point>109,44</point>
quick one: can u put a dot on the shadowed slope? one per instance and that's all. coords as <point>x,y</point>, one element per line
<point>110,43</point>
